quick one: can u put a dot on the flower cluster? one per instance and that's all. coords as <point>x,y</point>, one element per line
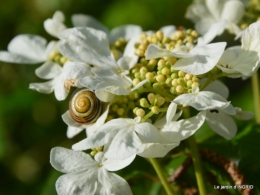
<point>132,88</point>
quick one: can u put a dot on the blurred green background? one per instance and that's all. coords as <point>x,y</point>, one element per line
<point>31,124</point>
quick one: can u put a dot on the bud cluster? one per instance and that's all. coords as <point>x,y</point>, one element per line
<point>58,58</point>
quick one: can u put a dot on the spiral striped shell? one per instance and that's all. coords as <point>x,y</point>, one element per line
<point>84,106</point>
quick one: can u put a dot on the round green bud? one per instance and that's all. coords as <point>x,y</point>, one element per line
<point>157,86</point>
<point>63,60</point>
<point>120,111</point>
<point>140,112</point>
<point>153,62</point>
<point>175,82</point>
<point>179,89</point>
<point>159,35</point>
<point>137,75</point>
<point>166,71</point>
<point>195,84</point>
<point>136,81</point>
<point>137,45</point>
<point>135,109</point>
<point>151,97</point>
<point>174,75</point>
<point>181,73</point>
<point>168,81</point>
<point>154,40</point>
<point>131,105</point>
<point>143,70</point>
<point>160,101</point>
<point>93,153</point>
<point>161,62</point>
<point>194,33</point>
<point>188,77</point>
<point>173,90</point>
<point>189,83</point>
<point>166,40</point>
<point>144,103</point>
<point>149,76</point>
<point>195,79</point>
<point>155,109</point>
<point>114,107</point>
<point>160,78</point>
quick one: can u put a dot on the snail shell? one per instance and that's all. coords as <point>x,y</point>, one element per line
<point>84,106</point>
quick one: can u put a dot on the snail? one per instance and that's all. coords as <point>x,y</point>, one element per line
<point>84,106</point>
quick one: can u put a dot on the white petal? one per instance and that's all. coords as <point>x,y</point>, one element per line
<point>115,165</point>
<point>73,131</point>
<point>156,150</point>
<point>112,184</point>
<point>250,38</point>
<point>206,57</point>
<point>48,70</point>
<point>147,132</point>
<point>46,87</point>
<point>66,161</point>
<point>59,16</point>
<point>54,27</point>
<point>126,63</point>
<point>17,59</point>
<point>125,31</point>
<point>182,129</point>
<point>124,144</point>
<point>217,87</point>
<point>71,122</point>
<point>243,115</point>
<point>215,7</point>
<point>31,46</point>
<point>104,96</point>
<point>81,183</point>
<point>81,20</point>
<point>154,51</point>
<point>221,123</point>
<point>204,24</point>
<point>87,45</point>
<point>171,112</point>
<point>168,30</point>
<point>204,100</point>
<point>211,34</point>
<point>233,11</point>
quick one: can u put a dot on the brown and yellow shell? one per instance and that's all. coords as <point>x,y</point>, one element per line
<point>84,106</point>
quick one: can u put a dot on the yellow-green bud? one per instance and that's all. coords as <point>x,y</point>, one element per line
<point>53,55</point>
<point>143,36</point>
<point>161,62</point>
<point>174,82</point>
<point>166,71</point>
<point>120,111</point>
<point>149,76</point>
<point>153,62</point>
<point>159,35</point>
<point>114,107</point>
<point>181,81</point>
<point>154,40</point>
<point>144,103</point>
<point>174,75</point>
<point>151,97</point>
<point>179,89</point>
<point>168,81</point>
<point>63,60</point>
<point>93,153</point>
<point>160,101</point>
<point>195,84</point>
<point>157,86</point>
<point>189,83</point>
<point>137,45</point>
<point>160,78</point>
<point>143,70</point>
<point>173,90</point>
<point>171,60</point>
<point>136,81</point>
<point>194,34</point>
<point>181,73</point>
<point>188,77</point>
<point>195,79</point>
<point>140,112</point>
<point>155,109</point>
<point>135,109</point>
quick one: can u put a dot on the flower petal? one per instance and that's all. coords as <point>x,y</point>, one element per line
<point>125,31</point>
<point>115,165</point>
<point>73,131</point>
<point>46,87</point>
<point>48,70</point>
<point>81,183</point>
<point>66,161</point>
<point>87,45</point>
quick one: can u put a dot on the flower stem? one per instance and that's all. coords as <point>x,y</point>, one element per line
<point>161,175</point>
<point>196,158</point>
<point>256,94</point>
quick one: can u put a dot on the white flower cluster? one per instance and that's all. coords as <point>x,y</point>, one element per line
<point>138,84</point>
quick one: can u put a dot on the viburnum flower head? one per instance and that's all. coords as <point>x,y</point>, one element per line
<point>84,175</point>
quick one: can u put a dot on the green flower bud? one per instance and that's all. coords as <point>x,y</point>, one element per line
<point>173,90</point>
<point>161,62</point>
<point>160,101</point>
<point>149,76</point>
<point>188,77</point>
<point>144,103</point>
<point>159,35</point>
<point>160,78</point>
<point>181,73</point>
<point>155,109</point>
<point>175,82</point>
<point>140,112</point>
<point>189,83</point>
<point>114,107</point>
<point>168,81</point>
<point>120,111</point>
<point>143,70</point>
<point>166,71</point>
<point>151,97</point>
<point>174,75</point>
<point>179,89</point>
<point>136,81</point>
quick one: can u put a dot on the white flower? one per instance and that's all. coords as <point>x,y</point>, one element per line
<point>122,137</point>
<point>61,78</point>
<point>27,49</point>
<point>85,175</point>
<point>91,46</point>
<point>202,100</point>
<point>212,11</point>
<point>171,132</point>
<point>200,59</point>
<point>125,31</point>
<point>55,25</point>
<point>243,61</point>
